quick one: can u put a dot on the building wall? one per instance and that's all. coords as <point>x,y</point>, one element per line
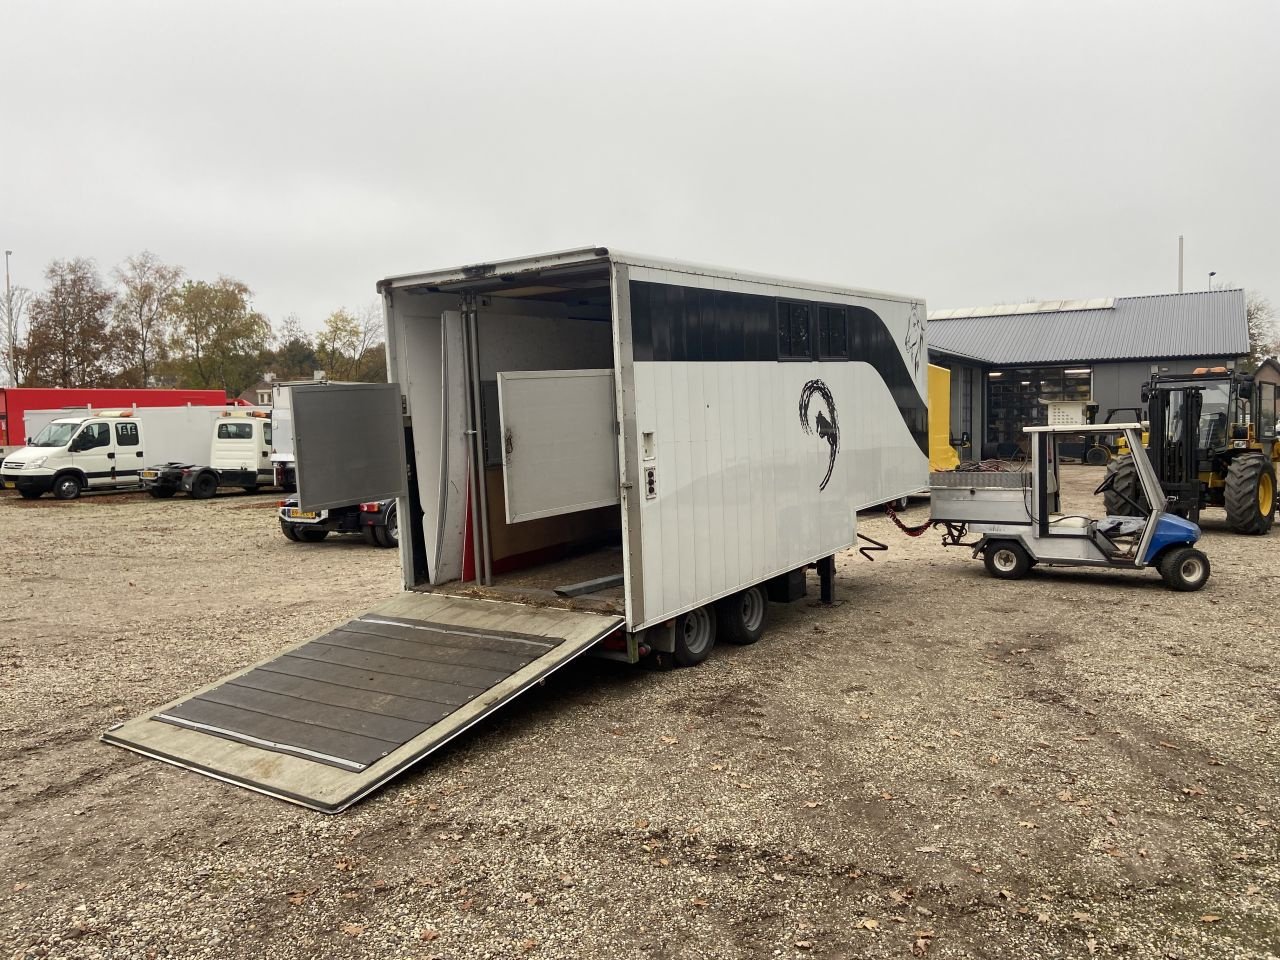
<point>1267,373</point>
<point>1120,384</point>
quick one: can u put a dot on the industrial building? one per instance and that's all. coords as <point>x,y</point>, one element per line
<point>1006,362</point>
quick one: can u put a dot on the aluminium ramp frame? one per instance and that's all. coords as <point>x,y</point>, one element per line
<point>333,718</point>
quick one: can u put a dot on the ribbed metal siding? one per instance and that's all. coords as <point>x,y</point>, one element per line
<point>1207,324</point>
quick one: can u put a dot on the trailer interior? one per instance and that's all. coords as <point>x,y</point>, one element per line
<point>533,527</point>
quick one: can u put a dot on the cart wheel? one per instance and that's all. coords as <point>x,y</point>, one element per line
<point>741,618</point>
<point>695,636</point>
<point>1184,568</point>
<point>1006,560</point>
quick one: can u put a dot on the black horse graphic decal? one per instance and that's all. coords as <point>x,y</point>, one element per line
<point>827,429</point>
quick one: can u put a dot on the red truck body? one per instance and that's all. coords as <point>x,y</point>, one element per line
<point>16,401</point>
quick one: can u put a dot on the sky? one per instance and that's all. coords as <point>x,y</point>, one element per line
<point>972,153</point>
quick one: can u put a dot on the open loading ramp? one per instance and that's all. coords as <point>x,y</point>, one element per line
<point>335,717</point>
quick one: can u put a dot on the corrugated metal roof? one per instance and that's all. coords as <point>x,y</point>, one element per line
<point>1203,324</point>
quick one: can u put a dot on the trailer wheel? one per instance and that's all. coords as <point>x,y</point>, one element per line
<point>1184,568</point>
<point>312,535</point>
<point>741,618</point>
<point>1250,495</point>
<point>1006,560</point>
<point>370,535</point>
<point>289,532</point>
<point>67,487</point>
<point>204,486</point>
<point>162,493</point>
<point>389,535</point>
<point>695,636</point>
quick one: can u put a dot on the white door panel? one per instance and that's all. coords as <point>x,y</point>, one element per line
<point>560,451</point>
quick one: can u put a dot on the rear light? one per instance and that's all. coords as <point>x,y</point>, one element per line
<point>281,503</point>
<point>370,507</point>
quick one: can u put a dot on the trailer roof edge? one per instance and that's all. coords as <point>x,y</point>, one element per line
<point>600,254</point>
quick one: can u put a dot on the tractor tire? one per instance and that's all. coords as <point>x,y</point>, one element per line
<point>1184,569</point>
<point>1126,482</point>
<point>1250,494</point>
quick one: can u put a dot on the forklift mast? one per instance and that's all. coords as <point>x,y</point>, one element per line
<point>1173,444</point>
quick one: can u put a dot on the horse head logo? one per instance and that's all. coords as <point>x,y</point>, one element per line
<point>827,426</point>
<point>914,340</point>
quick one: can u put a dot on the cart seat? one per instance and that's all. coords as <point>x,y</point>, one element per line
<point>1121,526</point>
<point>1060,521</point>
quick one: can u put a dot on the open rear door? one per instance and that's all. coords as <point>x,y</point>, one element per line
<point>560,444</point>
<point>348,440</point>
<point>335,717</point>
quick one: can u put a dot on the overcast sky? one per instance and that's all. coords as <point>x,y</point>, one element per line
<point>969,152</point>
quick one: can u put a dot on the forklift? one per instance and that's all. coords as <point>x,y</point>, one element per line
<point>1212,440</point>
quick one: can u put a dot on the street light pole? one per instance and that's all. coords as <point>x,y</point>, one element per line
<point>1212,274</point>
<point>9,332</point>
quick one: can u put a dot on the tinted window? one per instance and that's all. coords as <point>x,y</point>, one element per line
<point>95,435</point>
<point>126,434</point>
<point>795,329</point>
<point>833,333</point>
<point>235,431</point>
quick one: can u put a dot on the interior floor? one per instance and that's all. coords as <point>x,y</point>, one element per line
<point>537,585</point>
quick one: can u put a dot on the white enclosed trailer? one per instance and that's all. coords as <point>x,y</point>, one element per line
<point>592,450</point>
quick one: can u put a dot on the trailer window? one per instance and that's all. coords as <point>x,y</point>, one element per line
<point>235,431</point>
<point>833,333</point>
<point>126,434</point>
<point>795,327</point>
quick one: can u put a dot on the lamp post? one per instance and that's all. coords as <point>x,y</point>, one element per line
<point>9,333</point>
<point>1212,274</point>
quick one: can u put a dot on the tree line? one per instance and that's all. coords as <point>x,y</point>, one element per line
<point>147,324</point>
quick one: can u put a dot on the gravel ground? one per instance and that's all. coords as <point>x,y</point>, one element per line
<point>1080,764</point>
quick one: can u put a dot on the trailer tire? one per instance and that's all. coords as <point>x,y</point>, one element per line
<point>695,636</point>
<point>1250,494</point>
<point>162,493</point>
<point>1125,482</point>
<point>311,534</point>
<point>741,618</point>
<point>67,486</point>
<point>370,535</point>
<point>30,494</point>
<point>204,486</point>
<point>388,535</point>
<point>1006,559</point>
<point>1184,568</point>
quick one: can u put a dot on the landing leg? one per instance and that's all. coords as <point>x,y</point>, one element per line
<point>827,579</point>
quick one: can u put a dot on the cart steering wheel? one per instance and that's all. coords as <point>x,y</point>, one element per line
<point>1108,482</point>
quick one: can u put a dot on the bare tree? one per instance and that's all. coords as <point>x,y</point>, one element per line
<point>14,309</point>
<point>1264,338</point>
<point>143,316</point>
<point>67,343</point>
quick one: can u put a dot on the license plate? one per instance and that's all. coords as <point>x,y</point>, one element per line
<point>149,474</point>
<point>293,514</point>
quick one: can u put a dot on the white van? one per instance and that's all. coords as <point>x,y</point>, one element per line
<point>72,454</point>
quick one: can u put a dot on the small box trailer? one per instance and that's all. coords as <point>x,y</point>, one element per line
<point>591,451</point>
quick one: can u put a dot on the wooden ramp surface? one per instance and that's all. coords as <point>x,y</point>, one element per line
<point>333,718</point>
